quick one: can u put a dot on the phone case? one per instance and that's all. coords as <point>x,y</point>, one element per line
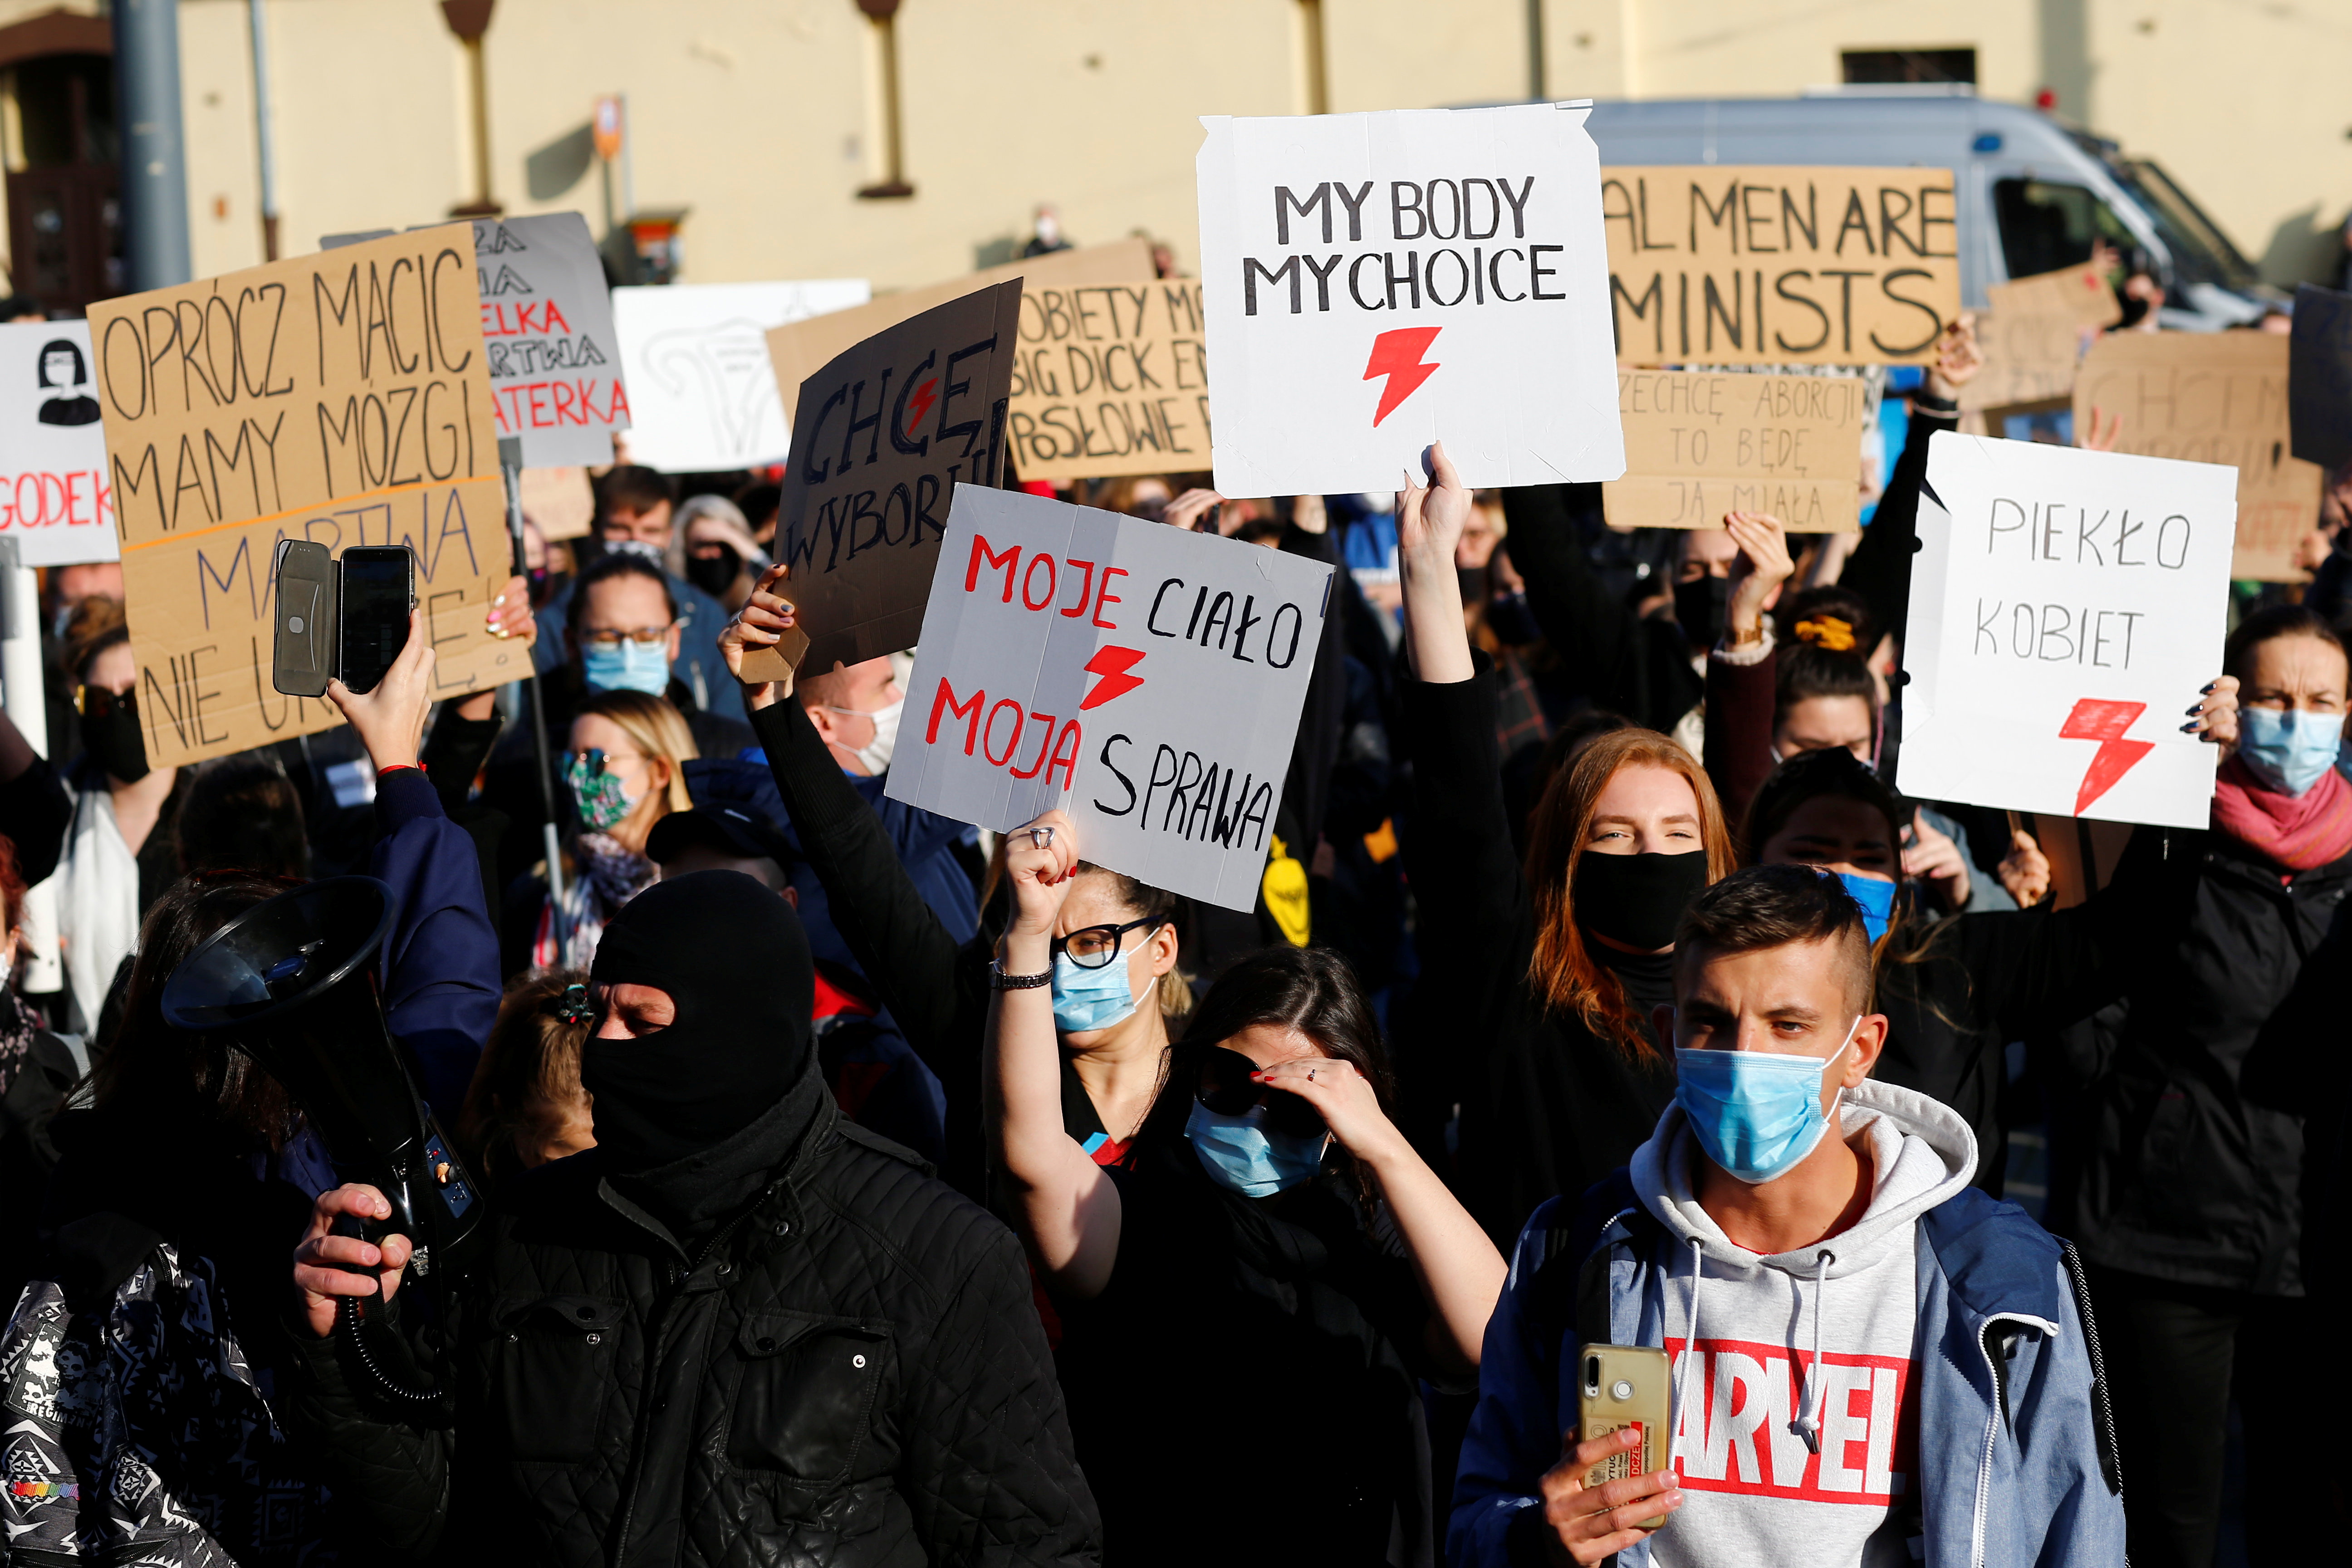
<point>1619,1386</point>
<point>309,636</point>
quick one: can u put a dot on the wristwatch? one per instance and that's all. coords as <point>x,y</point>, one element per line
<point>1000,981</point>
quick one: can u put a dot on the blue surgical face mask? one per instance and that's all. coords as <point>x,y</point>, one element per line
<point>1090,998</point>
<point>1756,1113</point>
<point>2289,750</point>
<point>1238,1152</point>
<point>630,666</point>
<point>1876,897</point>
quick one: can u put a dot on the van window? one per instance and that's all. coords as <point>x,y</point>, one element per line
<point>2045,226</point>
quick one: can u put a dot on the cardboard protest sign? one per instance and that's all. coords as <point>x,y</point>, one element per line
<point>558,502</point>
<point>547,326</point>
<point>800,349</point>
<point>2032,332</point>
<point>1375,282</point>
<point>55,500</point>
<point>1699,444</point>
<point>1112,379</point>
<point>874,470</point>
<point>1144,679</point>
<point>341,397</point>
<point>2320,377</point>
<point>2066,608</point>
<point>1727,264</point>
<point>2213,397</point>
<point>701,387</point>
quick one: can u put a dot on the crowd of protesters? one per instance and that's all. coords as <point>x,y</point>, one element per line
<point>865,1189</point>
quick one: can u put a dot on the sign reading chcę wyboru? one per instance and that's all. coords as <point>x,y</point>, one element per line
<point>1144,679</point>
<point>2066,607</point>
<point>1374,283</point>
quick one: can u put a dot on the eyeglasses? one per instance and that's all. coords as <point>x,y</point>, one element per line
<point>608,638</point>
<point>595,761</point>
<point>1228,1089</point>
<point>1094,947</point>
<point>97,701</point>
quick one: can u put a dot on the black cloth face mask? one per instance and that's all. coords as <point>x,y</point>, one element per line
<point>714,574</point>
<point>109,732</point>
<point>1636,899</point>
<point>735,962</point>
<point>1699,605</point>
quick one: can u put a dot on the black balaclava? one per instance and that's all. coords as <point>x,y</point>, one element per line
<point>1637,900</point>
<point>734,960</point>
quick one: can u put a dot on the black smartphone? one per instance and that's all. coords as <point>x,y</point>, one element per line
<point>379,591</point>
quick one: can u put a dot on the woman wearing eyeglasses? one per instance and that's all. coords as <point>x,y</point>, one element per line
<point>1266,1271</point>
<point>625,770</point>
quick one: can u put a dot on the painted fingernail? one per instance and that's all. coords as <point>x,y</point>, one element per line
<point>2208,688</point>
<point>2192,726</point>
<point>2194,710</point>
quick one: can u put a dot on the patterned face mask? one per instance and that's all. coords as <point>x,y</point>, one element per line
<point>595,791</point>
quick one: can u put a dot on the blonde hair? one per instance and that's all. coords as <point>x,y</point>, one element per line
<point>1562,969</point>
<point>531,1057</point>
<point>657,729</point>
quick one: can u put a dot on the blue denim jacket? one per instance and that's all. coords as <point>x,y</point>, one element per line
<point>2016,1454</point>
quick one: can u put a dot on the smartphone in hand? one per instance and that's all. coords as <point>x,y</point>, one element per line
<point>1622,1387</point>
<point>344,620</point>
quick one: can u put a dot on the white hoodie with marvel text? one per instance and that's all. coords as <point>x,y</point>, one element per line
<point>1756,1492</point>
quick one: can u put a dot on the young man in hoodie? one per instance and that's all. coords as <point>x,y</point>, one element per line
<point>1889,1365</point>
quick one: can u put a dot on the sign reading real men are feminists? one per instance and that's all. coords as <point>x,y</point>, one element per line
<point>1778,266</point>
<point>1698,445</point>
<point>881,439</point>
<point>2066,608</point>
<point>1374,283</point>
<point>1112,380</point>
<point>1146,680</point>
<point>339,397</point>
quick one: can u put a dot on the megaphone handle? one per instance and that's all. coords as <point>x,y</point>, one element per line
<point>357,1229</point>
<point>367,1336</point>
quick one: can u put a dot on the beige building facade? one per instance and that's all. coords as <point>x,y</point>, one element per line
<point>771,124</point>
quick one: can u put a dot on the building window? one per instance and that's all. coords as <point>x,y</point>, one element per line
<point>1908,65</point>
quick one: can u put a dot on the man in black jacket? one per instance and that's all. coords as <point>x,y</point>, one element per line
<point>740,1330</point>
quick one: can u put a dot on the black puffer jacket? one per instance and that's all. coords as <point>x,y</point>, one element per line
<point>849,1371</point>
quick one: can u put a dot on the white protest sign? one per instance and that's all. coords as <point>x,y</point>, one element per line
<point>2066,608</point>
<point>56,499</point>
<point>1374,283</point>
<point>547,329</point>
<point>701,388</point>
<point>1144,679</point>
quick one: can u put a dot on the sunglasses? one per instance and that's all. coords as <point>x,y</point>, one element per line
<point>1228,1088</point>
<point>97,702</point>
<point>1093,947</point>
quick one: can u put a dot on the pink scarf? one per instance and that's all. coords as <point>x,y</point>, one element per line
<point>2299,833</point>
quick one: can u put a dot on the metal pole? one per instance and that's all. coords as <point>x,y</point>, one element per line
<point>510,464</point>
<point>1536,92</point>
<point>22,695</point>
<point>154,151</point>
<point>264,144</point>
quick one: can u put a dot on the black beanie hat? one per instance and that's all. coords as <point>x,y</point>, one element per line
<point>732,957</point>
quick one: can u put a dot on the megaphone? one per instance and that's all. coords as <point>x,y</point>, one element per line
<point>291,982</point>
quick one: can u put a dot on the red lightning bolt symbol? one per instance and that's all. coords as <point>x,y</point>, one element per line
<point>925,395</point>
<point>1112,664</point>
<point>1397,355</point>
<point>2098,719</point>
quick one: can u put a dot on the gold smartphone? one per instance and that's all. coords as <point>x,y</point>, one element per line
<point>1621,1387</point>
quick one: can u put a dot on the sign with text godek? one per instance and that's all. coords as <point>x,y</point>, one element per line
<point>1699,444</point>
<point>341,398</point>
<point>55,500</point>
<point>882,438</point>
<point>1374,283</point>
<point>1112,380</point>
<point>2213,397</point>
<point>2066,608</point>
<point>1148,681</point>
<point>1776,265</point>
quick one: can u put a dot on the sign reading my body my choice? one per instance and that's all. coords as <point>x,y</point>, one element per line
<point>2066,608</point>
<point>1374,283</point>
<point>1146,680</point>
<point>339,397</point>
<point>55,500</point>
<point>1780,266</point>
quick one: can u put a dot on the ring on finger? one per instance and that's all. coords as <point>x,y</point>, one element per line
<point>1041,838</point>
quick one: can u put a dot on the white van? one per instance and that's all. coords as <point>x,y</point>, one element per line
<point>2033,193</point>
